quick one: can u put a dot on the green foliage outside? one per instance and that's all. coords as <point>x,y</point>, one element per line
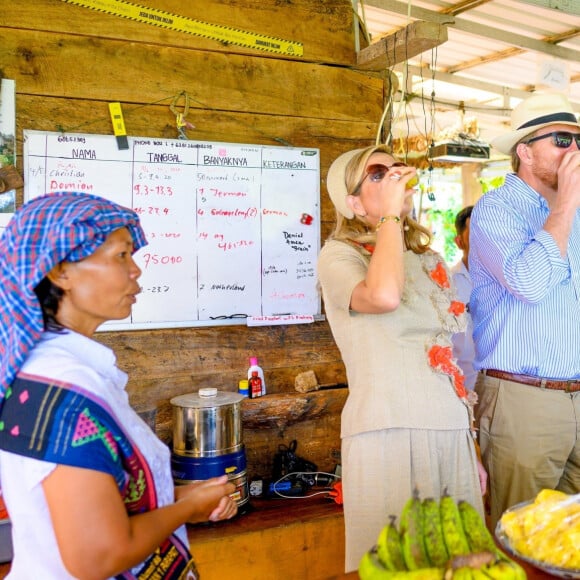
<point>441,220</point>
<point>491,183</point>
<point>439,215</point>
<point>443,225</point>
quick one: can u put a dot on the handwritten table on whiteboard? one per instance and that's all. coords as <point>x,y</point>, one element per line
<point>233,229</point>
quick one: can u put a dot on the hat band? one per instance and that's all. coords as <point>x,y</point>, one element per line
<point>554,118</point>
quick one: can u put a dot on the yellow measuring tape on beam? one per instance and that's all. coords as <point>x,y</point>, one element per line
<point>190,26</point>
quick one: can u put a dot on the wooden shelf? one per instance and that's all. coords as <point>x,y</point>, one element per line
<point>284,409</point>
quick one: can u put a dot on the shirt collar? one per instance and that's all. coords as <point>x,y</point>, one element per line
<point>89,352</point>
<point>515,182</point>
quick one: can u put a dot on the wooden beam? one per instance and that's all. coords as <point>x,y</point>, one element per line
<point>477,29</point>
<point>463,6</point>
<point>415,38</point>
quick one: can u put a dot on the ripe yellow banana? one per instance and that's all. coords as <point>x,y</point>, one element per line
<point>455,539</point>
<point>478,574</point>
<point>389,548</point>
<point>463,573</point>
<point>520,573</point>
<point>433,532</point>
<point>500,570</point>
<point>412,538</point>
<point>370,568</point>
<point>478,536</point>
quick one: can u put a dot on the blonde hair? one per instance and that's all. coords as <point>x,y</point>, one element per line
<point>417,237</point>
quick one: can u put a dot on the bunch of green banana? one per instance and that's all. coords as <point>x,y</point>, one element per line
<point>433,532</point>
<point>371,568</point>
<point>437,540</point>
<point>389,547</point>
<point>478,536</point>
<point>413,534</point>
<point>481,541</point>
<point>453,532</point>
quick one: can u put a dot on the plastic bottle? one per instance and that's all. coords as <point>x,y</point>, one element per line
<point>255,367</point>
<point>255,385</point>
<point>244,387</point>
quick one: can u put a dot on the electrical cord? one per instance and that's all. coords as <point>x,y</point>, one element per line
<point>328,477</point>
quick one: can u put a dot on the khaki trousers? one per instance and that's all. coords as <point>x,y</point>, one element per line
<point>529,439</point>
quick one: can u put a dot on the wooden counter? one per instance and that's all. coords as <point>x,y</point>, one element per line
<point>279,541</point>
<point>533,573</point>
<point>282,539</point>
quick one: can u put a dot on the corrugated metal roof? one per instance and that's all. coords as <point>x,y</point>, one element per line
<point>496,53</point>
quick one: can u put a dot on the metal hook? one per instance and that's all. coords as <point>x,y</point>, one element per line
<point>180,116</point>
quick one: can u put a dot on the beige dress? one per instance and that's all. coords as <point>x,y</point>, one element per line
<point>405,424</point>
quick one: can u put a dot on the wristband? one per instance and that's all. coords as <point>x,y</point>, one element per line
<point>387,218</point>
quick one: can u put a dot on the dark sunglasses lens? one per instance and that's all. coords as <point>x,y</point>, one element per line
<point>564,140</point>
<point>377,172</point>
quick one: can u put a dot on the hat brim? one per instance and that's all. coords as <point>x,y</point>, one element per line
<point>336,184</point>
<point>505,143</point>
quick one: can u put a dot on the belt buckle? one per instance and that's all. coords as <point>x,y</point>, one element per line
<point>569,386</point>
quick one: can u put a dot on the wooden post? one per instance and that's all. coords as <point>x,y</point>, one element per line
<point>471,187</point>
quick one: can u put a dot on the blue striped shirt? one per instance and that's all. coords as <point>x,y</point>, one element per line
<point>525,302</point>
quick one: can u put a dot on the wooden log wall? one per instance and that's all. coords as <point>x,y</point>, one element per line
<point>69,62</point>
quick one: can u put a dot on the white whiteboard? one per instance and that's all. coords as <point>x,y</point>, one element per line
<point>233,229</point>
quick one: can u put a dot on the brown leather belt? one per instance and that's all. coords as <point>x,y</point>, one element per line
<point>568,386</point>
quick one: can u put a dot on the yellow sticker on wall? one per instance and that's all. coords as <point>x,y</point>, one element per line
<point>190,26</point>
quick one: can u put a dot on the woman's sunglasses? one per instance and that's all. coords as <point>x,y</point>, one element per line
<point>561,139</point>
<point>377,172</point>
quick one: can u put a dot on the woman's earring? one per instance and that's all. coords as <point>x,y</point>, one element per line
<point>406,227</point>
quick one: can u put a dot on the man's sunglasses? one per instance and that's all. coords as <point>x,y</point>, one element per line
<point>561,139</point>
<point>376,173</point>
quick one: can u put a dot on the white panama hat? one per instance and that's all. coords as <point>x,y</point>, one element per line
<point>537,111</point>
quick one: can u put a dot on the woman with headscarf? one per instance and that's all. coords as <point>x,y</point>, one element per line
<point>406,425</point>
<point>87,484</point>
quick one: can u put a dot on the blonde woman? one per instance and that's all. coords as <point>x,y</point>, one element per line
<point>389,301</point>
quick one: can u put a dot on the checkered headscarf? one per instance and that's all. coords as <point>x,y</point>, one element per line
<point>41,234</point>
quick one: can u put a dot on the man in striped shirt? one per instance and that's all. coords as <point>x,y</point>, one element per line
<point>525,265</point>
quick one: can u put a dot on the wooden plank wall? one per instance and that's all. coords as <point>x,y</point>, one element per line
<point>69,62</point>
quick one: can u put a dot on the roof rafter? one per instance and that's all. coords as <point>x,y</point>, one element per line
<point>503,54</point>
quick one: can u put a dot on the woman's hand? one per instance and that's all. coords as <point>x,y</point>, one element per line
<point>395,190</point>
<point>208,500</point>
<point>106,540</point>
